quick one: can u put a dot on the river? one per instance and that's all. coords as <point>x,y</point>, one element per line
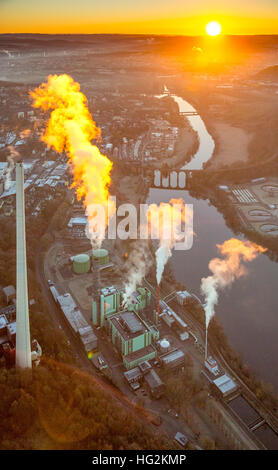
<point>248,309</point>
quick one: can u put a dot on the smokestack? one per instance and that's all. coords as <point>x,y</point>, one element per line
<point>23,347</point>
<point>206,345</point>
<point>158,300</point>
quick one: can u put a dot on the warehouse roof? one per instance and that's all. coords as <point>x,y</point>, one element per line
<point>71,312</point>
<point>88,337</point>
<point>172,357</point>
<point>225,384</point>
<point>153,380</point>
<point>133,374</point>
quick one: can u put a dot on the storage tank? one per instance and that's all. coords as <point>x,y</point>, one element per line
<point>81,264</point>
<point>164,345</point>
<point>101,256</point>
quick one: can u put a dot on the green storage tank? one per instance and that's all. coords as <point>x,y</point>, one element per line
<point>81,264</point>
<point>101,256</point>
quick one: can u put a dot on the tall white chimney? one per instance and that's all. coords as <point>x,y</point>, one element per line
<point>23,346</point>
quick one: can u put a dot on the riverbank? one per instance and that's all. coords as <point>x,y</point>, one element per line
<point>185,149</point>
<point>238,119</point>
<point>231,145</point>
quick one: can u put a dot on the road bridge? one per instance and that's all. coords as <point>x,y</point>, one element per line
<point>172,179</point>
<point>189,113</point>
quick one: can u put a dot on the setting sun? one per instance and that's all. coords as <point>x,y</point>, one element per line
<point>213,28</point>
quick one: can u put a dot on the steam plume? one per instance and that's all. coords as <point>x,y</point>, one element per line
<point>8,172</point>
<point>138,264</point>
<point>169,219</point>
<point>226,271</point>
<point>71,128</point>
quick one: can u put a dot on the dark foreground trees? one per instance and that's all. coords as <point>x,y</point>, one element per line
<point>60,407</point>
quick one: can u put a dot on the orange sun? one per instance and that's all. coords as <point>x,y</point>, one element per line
<point>213,28</point>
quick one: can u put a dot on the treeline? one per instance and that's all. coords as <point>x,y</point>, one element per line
<point>59,407</point>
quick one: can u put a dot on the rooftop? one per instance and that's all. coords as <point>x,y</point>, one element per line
<point>173,356</point>
<point>12,328</point>
<point>144,366</point>
<point>3,321</point>
<point>133,374</point>
<point>212,362</point>
<point>140,353</point>
<point>153,380</point>
<point>225,384</point>
<point>128,325</point>
<point>77,221</point>
<point>9,290</point>
<point>71,312</point>
<point>108,290</point>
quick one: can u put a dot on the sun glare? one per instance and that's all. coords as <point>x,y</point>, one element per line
<point>213,28</point>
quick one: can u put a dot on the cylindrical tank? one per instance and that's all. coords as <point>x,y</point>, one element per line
<point>164,345</point>
<point>101,256</point>
<point>81,264</point>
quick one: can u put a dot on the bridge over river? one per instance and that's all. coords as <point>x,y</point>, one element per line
<point>172,179</point>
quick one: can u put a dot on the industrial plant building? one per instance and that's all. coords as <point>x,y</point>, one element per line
<point>224,386</point>
<point>154,384</point>
<point>111,299</point>
<point>145,373</point>
<point>131,335</point>
<point>171,319</point>
<point>212,366</point>
<point>134,377</point>
<point>173,359</point>
<point>76,321</point>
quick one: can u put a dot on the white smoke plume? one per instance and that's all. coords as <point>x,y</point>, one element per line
<point>162,254</point>
<point>169,219</point>
<point>226,271</point>
<point>138,264</point>
<point>8,172</point>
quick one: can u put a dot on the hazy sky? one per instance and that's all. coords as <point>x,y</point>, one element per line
<point>138,16</point>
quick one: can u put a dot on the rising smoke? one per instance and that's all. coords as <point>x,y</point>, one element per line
<point>167,221</point>
<point>137,266</point>
<point>71,128</point>
<point>226,271</point>
<point>9,169</point>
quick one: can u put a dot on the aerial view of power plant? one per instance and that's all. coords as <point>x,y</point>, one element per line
<point>138,230</point>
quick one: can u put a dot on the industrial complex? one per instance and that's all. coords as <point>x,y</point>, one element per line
<point>151,347</point>
<point>136,342</point>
